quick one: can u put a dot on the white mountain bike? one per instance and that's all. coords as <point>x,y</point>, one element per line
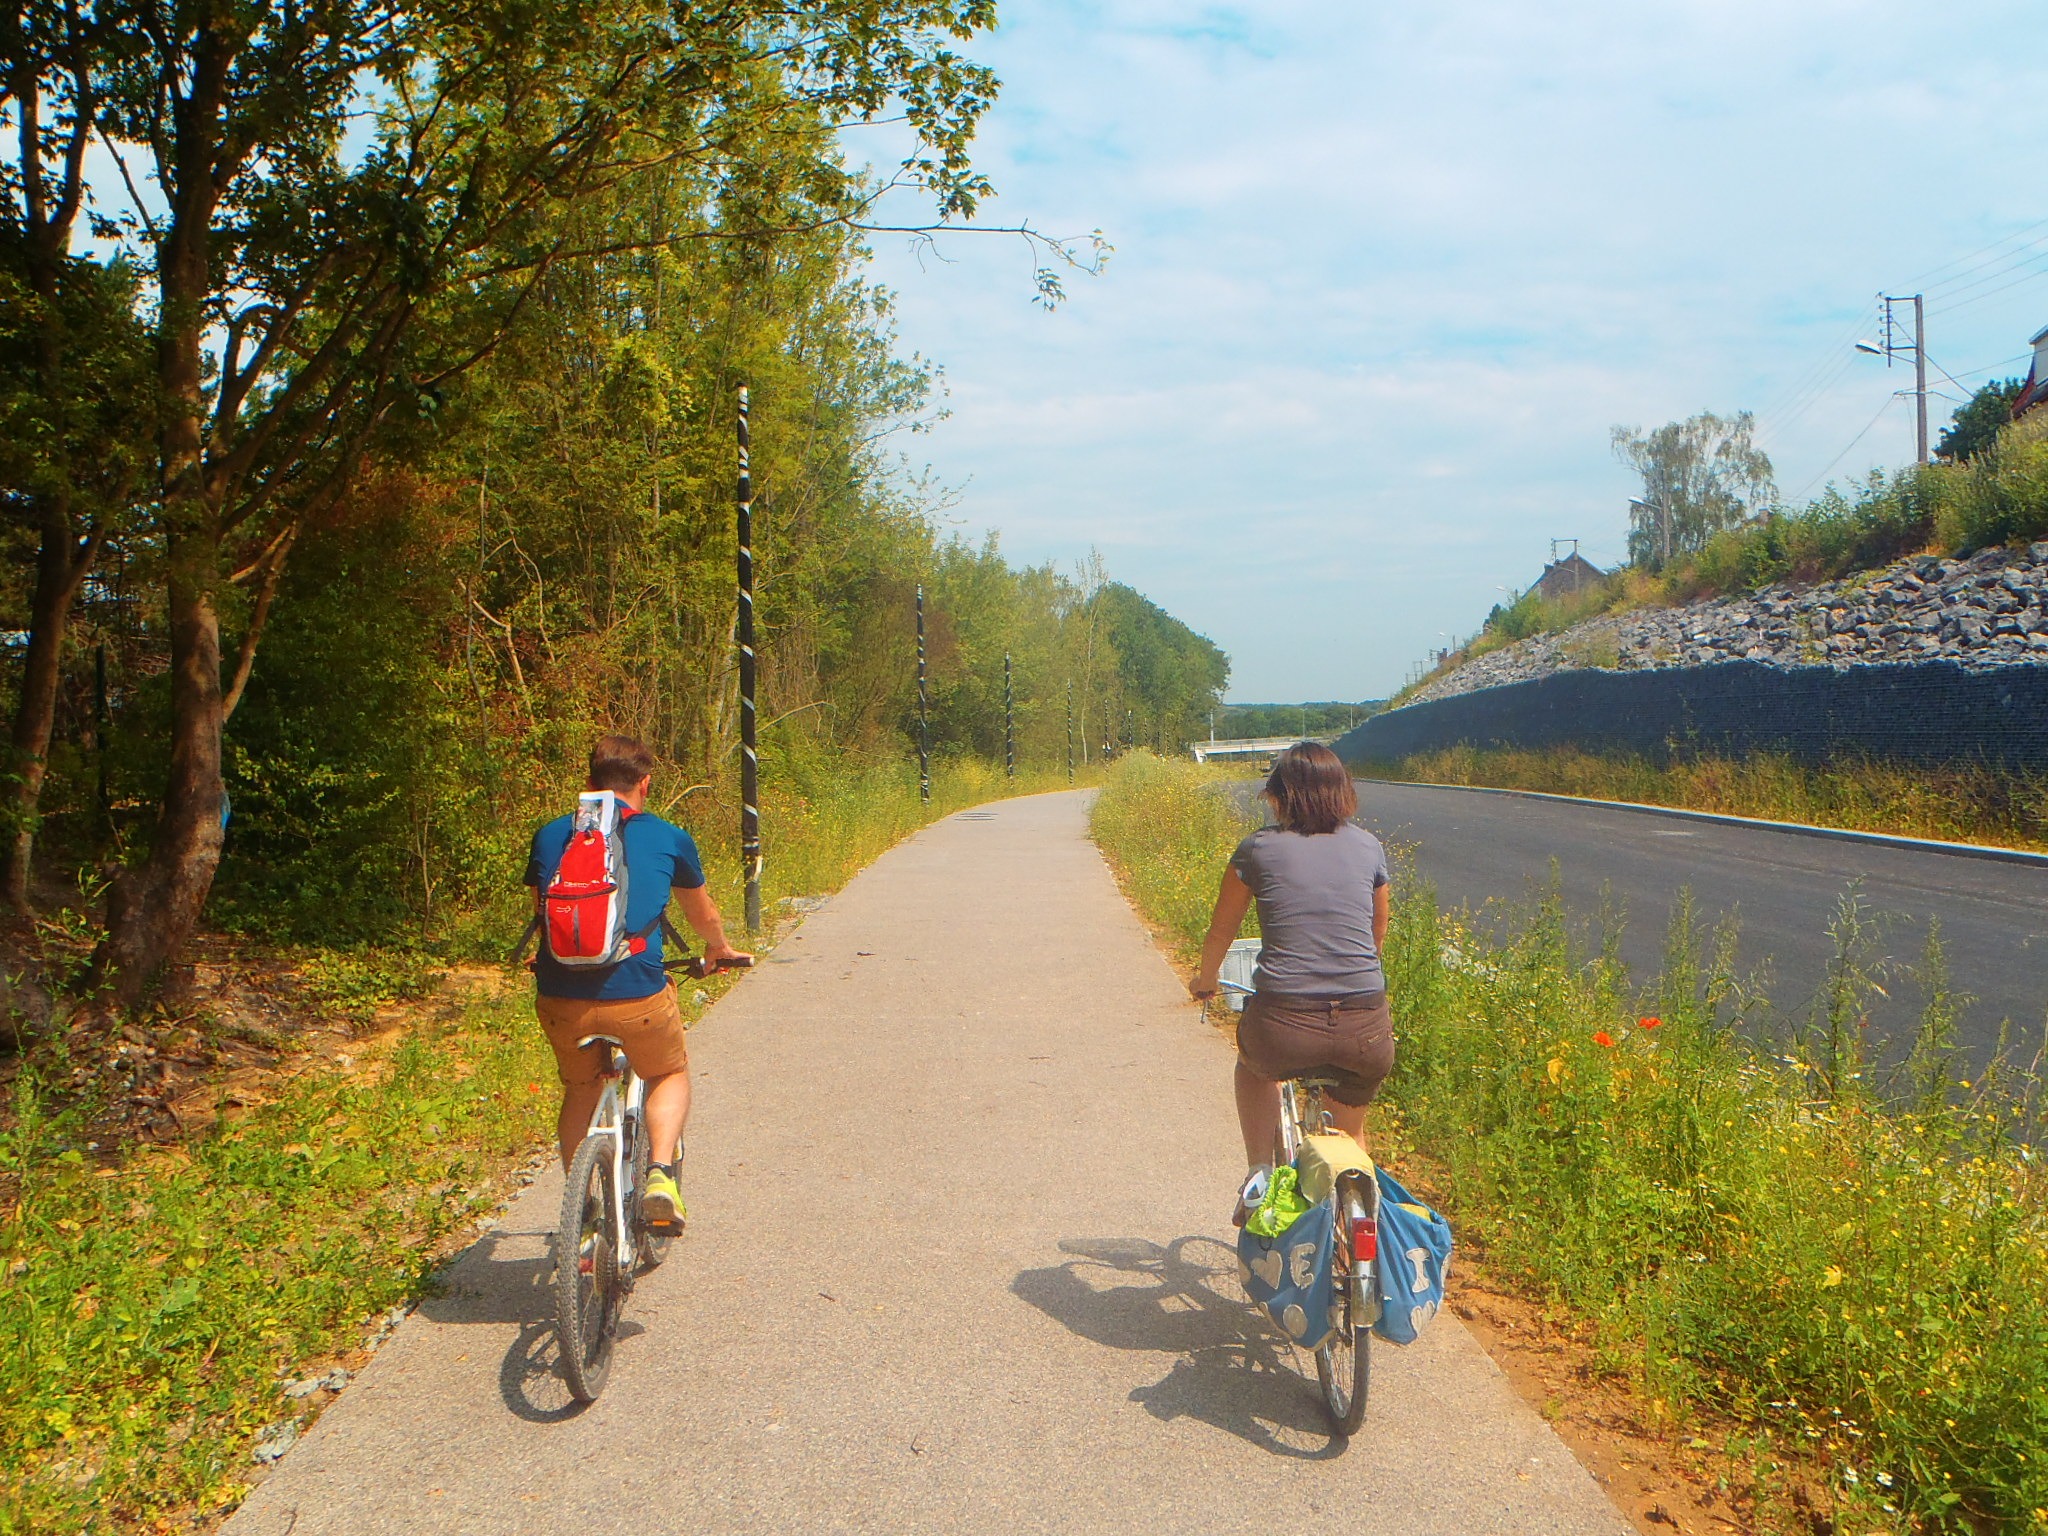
<point>604,1242</point>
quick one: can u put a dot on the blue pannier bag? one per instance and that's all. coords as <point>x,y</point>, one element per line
<point>1289,1275</point>
<point>1414,1261</point>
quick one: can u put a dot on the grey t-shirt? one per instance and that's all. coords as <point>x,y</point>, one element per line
<point>1315,894</point>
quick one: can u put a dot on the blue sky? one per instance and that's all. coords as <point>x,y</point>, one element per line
<point>1384,279</point>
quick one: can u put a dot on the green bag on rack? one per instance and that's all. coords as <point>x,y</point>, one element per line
<point>1282,1207</point>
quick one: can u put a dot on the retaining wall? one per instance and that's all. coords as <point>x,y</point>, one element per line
<point>1926,712</point>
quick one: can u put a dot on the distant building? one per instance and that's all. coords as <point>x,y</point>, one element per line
<point>1567,577</point>
<point>2035,391</point>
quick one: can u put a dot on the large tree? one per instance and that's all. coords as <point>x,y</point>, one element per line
<point>344,206</point>
<point>1700,475</point>
<point>1977,420</point>
<point>74,405</point>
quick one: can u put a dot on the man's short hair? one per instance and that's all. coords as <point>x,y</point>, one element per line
<point>619,763</point>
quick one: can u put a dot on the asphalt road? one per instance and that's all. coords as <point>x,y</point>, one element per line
<point>1481,849</point>
<point>959,1261</point>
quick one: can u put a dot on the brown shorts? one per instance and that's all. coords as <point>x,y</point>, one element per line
<point>650,1028</point>
<point>1353,1042</point>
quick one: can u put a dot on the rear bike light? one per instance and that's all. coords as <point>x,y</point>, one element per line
<point>1365,1239</point>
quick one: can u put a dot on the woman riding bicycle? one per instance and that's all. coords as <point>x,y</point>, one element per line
<point>1319,1001</point>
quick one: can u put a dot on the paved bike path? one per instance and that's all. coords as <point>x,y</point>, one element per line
<point>959,1261</point>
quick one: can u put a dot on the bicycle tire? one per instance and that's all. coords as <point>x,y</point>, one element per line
<point>1344,1359</point>
<point>652,1245</point>
<point>589,1290</point>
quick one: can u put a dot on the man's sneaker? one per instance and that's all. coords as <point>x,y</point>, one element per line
<point>661,1205</point>
<point>1251,1194</point>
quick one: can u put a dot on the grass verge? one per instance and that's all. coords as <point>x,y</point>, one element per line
<point>1967,803</point>
<point>154,1300</point>
<point>1749,1230</point>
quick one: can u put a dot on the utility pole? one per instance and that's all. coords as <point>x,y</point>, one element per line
<point>1893,346</point>
<point>1663,512</point>
<point>1920,372</point>
<point>924,710</point>
<point>1009,722</point>
<point>1070,730</point>
<point>750,759</point>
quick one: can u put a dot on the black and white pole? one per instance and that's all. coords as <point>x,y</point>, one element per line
<point>1070,733</point>
<point>1009,721</point>
<point>924,713</point>
<point>750,759</point>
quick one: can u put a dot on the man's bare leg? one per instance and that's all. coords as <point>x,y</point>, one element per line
<point>579,1103</point>
<point>668,1111</point>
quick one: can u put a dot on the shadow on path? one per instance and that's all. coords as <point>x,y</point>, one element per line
<point>1182,1299</point>
<point>503,1280</point>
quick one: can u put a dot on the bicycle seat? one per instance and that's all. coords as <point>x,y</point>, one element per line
<point>588,1040</point>
<point>1321,1080</point>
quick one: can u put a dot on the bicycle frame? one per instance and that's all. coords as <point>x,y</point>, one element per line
<point>622,1102</point>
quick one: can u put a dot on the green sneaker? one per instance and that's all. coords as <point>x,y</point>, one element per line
<point>661,1204</point>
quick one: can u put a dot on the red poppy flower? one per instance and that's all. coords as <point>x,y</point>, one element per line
<point>1603,1038</point>
<point>1649,1023</point>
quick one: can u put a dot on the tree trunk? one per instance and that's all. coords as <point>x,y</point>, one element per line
<point>153,910</point>
<point>59,572</point>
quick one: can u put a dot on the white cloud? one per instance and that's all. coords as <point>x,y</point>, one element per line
<point>1385,278</point>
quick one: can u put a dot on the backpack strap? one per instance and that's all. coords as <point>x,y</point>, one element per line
<point>636,942</point>
<point>526,938</point>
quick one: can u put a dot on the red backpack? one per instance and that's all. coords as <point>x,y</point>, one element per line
<point>582,918</point>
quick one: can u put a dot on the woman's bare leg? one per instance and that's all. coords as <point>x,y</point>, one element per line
<point>1350,1119</point>
<point>1258,1115</point>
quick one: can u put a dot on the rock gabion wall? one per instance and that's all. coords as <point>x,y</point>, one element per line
<point>1927,712</point>
<point>1930,661</point>
<point>1983,613</point>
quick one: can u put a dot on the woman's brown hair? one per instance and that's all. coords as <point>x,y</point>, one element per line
<point>1310,789</point>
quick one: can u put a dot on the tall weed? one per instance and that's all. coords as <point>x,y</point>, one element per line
<point>1962,802</point>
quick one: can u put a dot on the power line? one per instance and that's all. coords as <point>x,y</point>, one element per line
<point>1955,295</point>
<point>1820,365</point>
<point>1933,274</point>
<point>1890,401</point>
<point>2034,276</point>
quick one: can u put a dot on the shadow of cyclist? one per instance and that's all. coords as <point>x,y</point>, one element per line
<point>509,1277</point>
<point>1183,1299</point>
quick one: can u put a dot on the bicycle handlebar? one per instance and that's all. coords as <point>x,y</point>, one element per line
<point>700,967</point>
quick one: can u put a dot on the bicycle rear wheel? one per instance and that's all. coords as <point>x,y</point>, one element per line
<point>1344,1361</point>
<point>588,1286</point>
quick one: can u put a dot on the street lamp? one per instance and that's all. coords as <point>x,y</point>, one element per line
<point>1918,346</point>
<point>1663,528</point>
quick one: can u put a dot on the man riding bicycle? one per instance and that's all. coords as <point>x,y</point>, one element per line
<point>631,1001</point>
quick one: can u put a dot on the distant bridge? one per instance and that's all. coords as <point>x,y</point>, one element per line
<point>1252,746</point>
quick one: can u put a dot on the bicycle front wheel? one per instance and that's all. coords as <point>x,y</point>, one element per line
<point>588,1286</point>
<point>1344,1361</point>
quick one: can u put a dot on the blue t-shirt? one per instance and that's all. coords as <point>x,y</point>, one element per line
<point>659,855</point>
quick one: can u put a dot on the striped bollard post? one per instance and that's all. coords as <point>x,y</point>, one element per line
<point>1009,721</point>
<point>924,711</point>
<point>1070,733</point>
<point>750,759</point>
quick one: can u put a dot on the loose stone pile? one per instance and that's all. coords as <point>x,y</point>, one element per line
<point>1990,610</point>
